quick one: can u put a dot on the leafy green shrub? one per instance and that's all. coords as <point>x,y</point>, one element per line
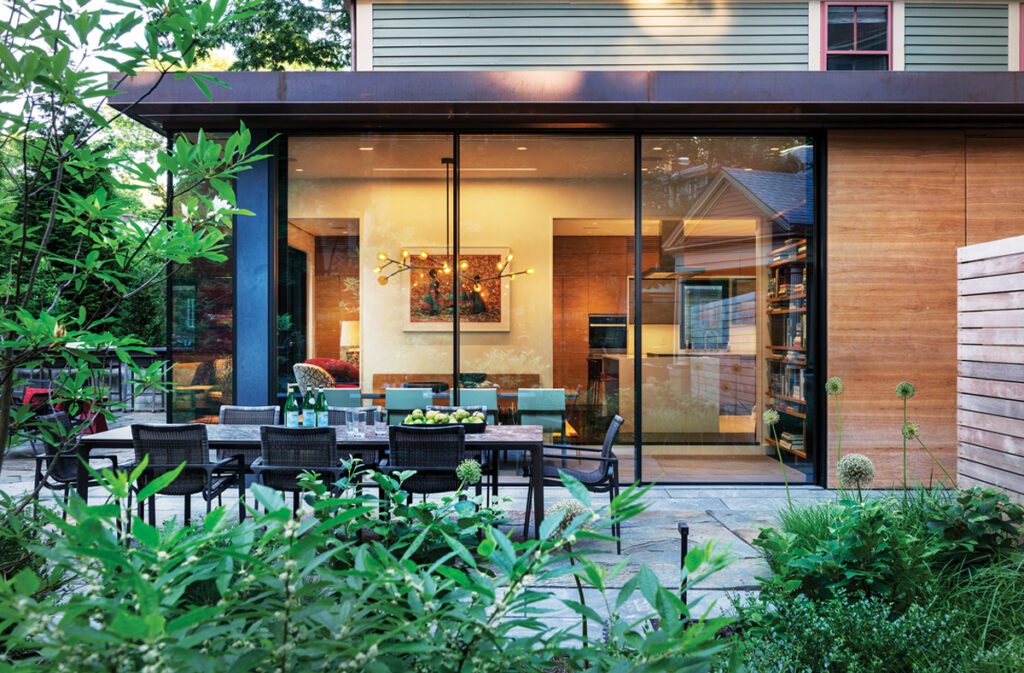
<point>846,634</point>
<point>863,551</point>
<point>981,523</point>
<point>338,587</point>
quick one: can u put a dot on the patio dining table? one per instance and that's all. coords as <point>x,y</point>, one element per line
<point>226,437</point>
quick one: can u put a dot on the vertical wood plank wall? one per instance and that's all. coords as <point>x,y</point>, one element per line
<point>990,388</point>
<point>895,219</point>
<point>899,204</point>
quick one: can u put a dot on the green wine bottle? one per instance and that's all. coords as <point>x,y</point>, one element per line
<point>321,409</point>
<point>308,409</point>
<point>291,411</point>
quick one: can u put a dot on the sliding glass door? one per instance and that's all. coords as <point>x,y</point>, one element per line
<point>725,297</point>
<point>689,323</point>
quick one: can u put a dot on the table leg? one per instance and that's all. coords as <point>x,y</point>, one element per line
<point>537,477</point>
<point>82,474</point>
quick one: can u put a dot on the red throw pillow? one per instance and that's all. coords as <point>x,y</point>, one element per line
<point>343,372</point>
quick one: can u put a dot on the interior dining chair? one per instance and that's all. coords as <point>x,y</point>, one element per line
<point>400,402</point>
<point>345,398</point>
<point>544,407</point>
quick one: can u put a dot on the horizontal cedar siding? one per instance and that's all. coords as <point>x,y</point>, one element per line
<point>605,36</point>
<point>990,387</point>
<point>957,37</point>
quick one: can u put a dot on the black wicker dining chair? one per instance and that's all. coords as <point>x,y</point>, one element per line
<point>240,415</point>
<point>168,446</point>
<point>433,453</point>
<point>488,461</point>
<point>57,464</point>
<point>285,453</point>
<point>602,478</point>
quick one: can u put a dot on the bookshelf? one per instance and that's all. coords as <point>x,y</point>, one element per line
<point>786,347</point>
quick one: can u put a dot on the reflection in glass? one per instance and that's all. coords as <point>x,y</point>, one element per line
<point>724,300</point>
<point>202,336</point>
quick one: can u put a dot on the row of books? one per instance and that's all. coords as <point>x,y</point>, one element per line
<point>791,441</point>
<point>787,380</point>
<point>794,247</point>
<point>792,331</point>
<point>785,406</point>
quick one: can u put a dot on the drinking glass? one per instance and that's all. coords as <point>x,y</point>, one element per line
<point>380,422</point>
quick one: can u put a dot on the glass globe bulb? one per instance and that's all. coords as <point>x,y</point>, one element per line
<point>383,280</point>
<point>382,256</point>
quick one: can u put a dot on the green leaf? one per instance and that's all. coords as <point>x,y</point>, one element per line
<point>148,535</point>
<point>576,488</point>
<point>160,482</point>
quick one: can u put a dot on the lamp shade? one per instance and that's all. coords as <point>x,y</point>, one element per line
<point>349,333</point>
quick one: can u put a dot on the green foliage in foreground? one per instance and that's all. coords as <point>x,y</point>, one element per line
<point>350,583</point>
<point>931,582</point>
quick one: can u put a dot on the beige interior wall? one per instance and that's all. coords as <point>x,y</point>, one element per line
<point>517,214</point>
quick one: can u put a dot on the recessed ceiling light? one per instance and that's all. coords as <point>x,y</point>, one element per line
<point>657,149</point>
<point>299,170</point>
<point>521,148</point>
<point>774,149</point>
<point>365,149</point>
<point>644,170</point>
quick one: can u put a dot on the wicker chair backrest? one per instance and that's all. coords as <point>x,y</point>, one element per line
<point>238,415</point>
<point>170,445</point>
<point>305,449</point>
<point>434,453</point>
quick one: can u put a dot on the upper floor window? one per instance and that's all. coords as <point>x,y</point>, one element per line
<point>857,36</point>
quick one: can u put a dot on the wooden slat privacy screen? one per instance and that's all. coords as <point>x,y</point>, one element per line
<point>990,353</point>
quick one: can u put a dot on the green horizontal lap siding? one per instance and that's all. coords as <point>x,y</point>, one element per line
<point>957,37</point>
<point>522,36</point>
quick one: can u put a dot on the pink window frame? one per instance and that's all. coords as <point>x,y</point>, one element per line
<point>825,52</point>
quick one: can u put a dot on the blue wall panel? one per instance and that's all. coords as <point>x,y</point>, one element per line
<point>254,281</point>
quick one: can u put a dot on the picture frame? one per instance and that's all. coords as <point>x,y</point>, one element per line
<point>427,295</point>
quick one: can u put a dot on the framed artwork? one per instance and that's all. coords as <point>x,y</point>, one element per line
<point>428,295</point>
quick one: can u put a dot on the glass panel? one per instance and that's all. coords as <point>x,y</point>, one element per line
<point>844,62</point>
<point>562,206</point>
<point>840,27</point>
<point>725,291</point>
<point>350,302</point>
<point>202,336</point>
<point>872,30</point>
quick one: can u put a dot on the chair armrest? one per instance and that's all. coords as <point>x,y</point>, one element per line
<point>574,447</point>
<point>594,459</point>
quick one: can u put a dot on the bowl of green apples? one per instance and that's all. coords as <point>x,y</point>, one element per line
<point>473,422</point>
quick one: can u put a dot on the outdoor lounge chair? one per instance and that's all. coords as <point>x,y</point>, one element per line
<point>603,478</point>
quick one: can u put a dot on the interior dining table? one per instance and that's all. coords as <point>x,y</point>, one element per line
<point>495,438</point>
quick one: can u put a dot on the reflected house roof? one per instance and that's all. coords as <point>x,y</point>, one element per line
<point>786,197</point>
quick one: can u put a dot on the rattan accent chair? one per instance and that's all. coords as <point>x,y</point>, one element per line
<point>239,415</point>
<point>285,453</point>
<point>603,478</point>
<point>57,465</point>
<point>168,446</point>
<point>434,453</point>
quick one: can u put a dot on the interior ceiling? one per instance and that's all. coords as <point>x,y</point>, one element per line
<point>482,157</point>
<point>327,226</point>
<point>569,226</point>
